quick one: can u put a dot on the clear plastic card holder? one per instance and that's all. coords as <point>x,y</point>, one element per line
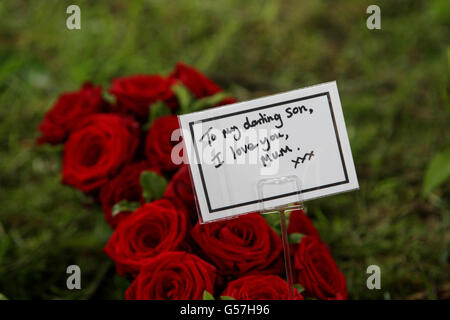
<point>265,187</point>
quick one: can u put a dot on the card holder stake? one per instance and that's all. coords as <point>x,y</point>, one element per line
<point>283,211</point>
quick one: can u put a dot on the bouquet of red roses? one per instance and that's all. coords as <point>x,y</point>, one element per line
<point>117,149</point>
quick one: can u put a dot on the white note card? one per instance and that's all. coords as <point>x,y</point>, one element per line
<point>298,133</point>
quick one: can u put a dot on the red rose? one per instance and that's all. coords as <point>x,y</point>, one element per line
<point>300,223</point>
<point>198,83</point>
<point>125,186</point>
<point>150,230</point>
<point>259,287</point>
<point>159,144</point>
<point>173,276</point>
<point>68,110</point>
<point>228,100</point>
<point>242,245</point>
<point>195,81</point>
<point>135,94</point>
<point>180,191</point>
<point>316,271</point>
<point>97,149</point>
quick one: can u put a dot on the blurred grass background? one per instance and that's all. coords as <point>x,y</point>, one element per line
<point>394,90</point>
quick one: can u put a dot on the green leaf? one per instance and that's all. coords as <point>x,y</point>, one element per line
<point>157,109</point>
<point>188,103</point>
<point>273,220</point>
<point>295,237</point>
<point>299,287</point>
<point>124,205</point>
<point>208,101</point>
<point>153,185</point>
<point>227,298</point>
<point>184,97</point>
<point>3,297</point>
<point>207,295</point>
<point>108,97</point>
<point>438,172</point>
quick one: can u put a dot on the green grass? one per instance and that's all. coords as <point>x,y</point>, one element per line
<point>394,90</point>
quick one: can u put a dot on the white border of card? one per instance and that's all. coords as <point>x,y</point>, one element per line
<point>318,151</point>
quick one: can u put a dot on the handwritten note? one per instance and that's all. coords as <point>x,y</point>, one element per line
<point>231,148</point>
